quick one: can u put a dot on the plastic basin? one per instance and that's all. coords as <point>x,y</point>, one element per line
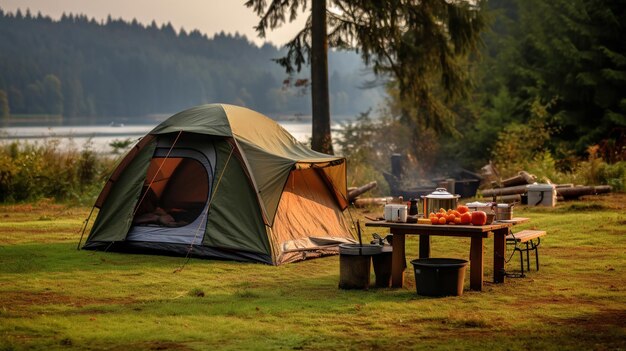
<point>439,276</point>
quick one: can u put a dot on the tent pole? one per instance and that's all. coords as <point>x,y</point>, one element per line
<point>205,214</point>
<point>85,228</point>
<point>352,219</point>
<point>157,172</point>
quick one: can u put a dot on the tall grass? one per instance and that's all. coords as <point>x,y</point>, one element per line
<point>35,170</point>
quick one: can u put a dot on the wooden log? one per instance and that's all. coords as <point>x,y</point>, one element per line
<point>528,178</point>
<point>489,172</point>
<point>519,189</point>
<point>352,194</point>
<point>579,191</point>
<point>568,185</point>
<point>521,178</point>
<point>510,198</point>
<point>354,271</point>
<point>372,201</point>
<point>603,189</point>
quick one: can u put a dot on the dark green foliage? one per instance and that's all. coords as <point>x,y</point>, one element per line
<point>120,145</point>
<point>419,45</point>
<point>567,55</point>
<point>44,170</point>
<point>77,67</point>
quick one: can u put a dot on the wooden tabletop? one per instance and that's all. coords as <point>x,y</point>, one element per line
<point>514,220</point>
<point>439,227</point>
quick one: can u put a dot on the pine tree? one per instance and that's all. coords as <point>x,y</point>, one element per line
<point>417,44</point>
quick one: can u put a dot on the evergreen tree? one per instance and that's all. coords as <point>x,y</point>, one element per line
<point>81,68</point>
<point>416,43</point>
<point>569,55</point>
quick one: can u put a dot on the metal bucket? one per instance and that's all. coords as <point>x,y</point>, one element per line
<point>504,212</point>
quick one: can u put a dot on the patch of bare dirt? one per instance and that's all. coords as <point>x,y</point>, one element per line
<point>598,321</point>
<point>537,302</point>
<point>600,328</point>
<point>153,345</point>
<point>616,201</point>
<point>11,300</point>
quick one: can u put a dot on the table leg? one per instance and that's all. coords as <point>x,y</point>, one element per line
<point>499,251</point>
<point>398,260</point>
<point>476,263</point>
<point>424,246</point>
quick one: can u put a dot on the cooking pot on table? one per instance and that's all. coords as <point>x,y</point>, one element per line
<point>504,211</point>
<point>440,198</point>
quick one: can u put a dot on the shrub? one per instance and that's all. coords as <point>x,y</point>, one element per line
<point>31,171</point>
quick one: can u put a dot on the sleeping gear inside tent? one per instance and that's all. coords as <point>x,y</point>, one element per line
<point>220,181</point>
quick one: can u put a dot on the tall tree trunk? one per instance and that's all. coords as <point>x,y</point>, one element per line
<point>321,140</point>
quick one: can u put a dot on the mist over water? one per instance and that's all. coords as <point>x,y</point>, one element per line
<point>98,137</point>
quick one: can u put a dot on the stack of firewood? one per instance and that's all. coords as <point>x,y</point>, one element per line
<point>512,189</point>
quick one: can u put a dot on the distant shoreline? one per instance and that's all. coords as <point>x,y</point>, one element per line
<point>60,121</point>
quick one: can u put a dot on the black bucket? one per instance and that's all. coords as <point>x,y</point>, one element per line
<point>439,276</point>
<point>382,267</point>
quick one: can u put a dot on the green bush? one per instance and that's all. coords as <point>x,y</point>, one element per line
<point>31,171</point>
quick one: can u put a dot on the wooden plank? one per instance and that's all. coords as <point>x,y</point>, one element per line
<point>525,235</point>
<point>415,228</point>
<point>476,263</point>
<point>514,220</point>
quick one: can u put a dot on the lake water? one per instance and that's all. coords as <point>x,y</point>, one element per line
<point>101,136</point>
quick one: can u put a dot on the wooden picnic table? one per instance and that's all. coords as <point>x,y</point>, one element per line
<point>477,234</point>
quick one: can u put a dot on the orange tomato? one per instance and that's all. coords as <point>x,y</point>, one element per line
<point>457,220</point>
<point>466,218</point>
<point>450,218</point>
<point>456,213</point>
<point>462,209</point>
<point>432,214</point>
<point>442,220</point>
<point>434,220</point>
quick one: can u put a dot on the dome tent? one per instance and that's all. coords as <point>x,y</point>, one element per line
<point>221,181</point>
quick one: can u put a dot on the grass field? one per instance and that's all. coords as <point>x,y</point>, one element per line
<point>55,297</point>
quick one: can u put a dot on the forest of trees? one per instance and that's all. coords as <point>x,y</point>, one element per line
<point>548,96</point>
<point>80,68</point>
<point>560,63</point>
<point>550,77</point>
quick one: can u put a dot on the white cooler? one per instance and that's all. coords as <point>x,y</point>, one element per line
<point>541,195</point>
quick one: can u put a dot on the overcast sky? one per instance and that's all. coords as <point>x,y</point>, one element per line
<point>208,16</point>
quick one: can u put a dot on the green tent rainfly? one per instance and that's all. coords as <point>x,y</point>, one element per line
<point>221,181</point>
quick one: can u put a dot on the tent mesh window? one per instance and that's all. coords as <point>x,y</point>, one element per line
<point>174,193</point>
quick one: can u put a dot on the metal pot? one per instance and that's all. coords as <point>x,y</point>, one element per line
<point>486,207</point>
<point>440,198</point>
<point>504,212</point>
